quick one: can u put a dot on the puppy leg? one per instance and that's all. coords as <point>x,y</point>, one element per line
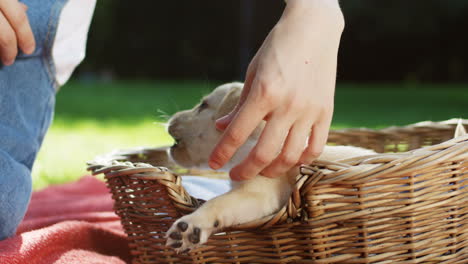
<point>247,201</point>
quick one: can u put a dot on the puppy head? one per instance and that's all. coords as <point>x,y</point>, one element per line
<point>194,130</point>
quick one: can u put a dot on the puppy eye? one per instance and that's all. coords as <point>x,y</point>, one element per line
<point>202,106</point>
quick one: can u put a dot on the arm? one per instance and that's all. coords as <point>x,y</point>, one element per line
<point>290,84</point>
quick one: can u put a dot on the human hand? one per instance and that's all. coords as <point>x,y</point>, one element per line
<point>15,31</point>
<point>290,84</point>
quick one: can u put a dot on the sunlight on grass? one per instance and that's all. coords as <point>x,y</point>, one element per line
<point>95,118</point>
<point>69,145</point>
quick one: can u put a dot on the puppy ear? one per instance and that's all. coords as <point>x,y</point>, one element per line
<point>229,101</point>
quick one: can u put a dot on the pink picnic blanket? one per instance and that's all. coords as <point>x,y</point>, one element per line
<point>71,223</point>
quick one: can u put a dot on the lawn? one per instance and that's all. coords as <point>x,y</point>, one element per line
<point>95,118</point>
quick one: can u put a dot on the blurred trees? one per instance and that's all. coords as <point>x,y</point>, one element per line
<point>405,40</point>
<point>398,40</point>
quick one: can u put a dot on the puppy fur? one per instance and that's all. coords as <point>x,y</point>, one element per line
<point>195,135</point>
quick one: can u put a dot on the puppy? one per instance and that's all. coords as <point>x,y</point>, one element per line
<point>195,137</point>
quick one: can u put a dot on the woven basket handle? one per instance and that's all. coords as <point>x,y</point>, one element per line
<point>151,164</point>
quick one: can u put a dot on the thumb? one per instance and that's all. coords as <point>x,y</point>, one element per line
<point>223,122</point>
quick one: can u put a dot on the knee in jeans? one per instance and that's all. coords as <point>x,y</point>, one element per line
<point>15,194</point>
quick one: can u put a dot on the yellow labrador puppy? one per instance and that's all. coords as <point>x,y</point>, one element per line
<point>195,135</point>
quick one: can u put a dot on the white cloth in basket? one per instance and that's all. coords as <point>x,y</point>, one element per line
<point>205,188</point>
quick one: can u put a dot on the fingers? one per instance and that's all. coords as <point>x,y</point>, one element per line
<point>15,13</point>
<point>223,122</point>
<point>317,140</point>
<point>292,150</point>
<point>267,148</point>
<point>243,124</point>
<point>8,45</point>
<point>249,79</point>
<point>15,31</point>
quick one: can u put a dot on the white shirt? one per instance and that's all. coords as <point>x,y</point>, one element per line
<point>70,40</point>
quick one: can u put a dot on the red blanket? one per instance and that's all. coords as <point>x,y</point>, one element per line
<point>71,223</point>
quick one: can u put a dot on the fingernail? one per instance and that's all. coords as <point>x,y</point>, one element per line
<point>29,50</point>
<point>8,62</point>
<point>219,126</point>
<point>214,165</point>
<point>234,177</point>
<point>222,122</point>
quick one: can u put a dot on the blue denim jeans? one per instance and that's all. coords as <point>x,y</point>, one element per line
<point>27,100</point>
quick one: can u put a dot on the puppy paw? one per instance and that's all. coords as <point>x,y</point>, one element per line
<point>190,232</point>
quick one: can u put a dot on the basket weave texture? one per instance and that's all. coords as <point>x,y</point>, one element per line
<point>410,208</point>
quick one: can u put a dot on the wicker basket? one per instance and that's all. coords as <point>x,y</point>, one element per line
<point>411,208</point>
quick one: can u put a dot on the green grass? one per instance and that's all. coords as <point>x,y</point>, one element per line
<point>96,118</point>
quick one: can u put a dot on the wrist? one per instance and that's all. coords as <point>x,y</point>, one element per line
<point>328,12</point>
<point>313,3</point>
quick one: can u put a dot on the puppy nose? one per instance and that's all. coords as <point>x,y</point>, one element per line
<point>174,129</point>
<point>176,124</point>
